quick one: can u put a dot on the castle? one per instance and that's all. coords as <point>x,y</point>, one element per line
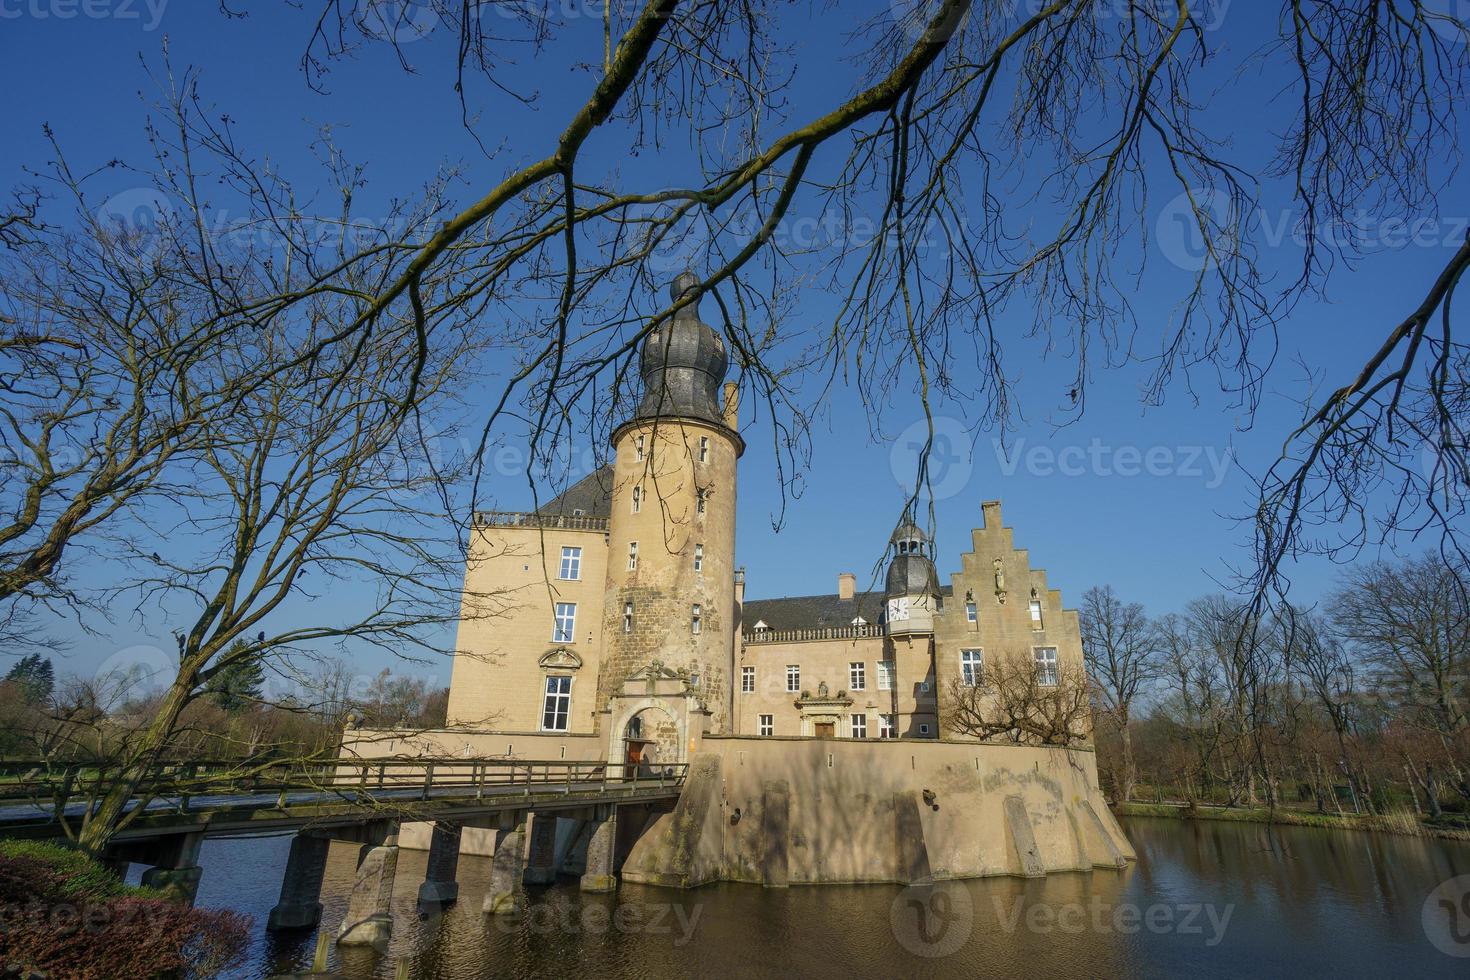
<point>633,569</point>
<point>814,729</point>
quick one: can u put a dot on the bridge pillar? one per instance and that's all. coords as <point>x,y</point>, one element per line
<point>301,887</point>
<point>369,920</point>
<point>508,867</point>
<point>600,875</point>
<point>541,865</point>
<point>176,872</point>
<point>441,885</point>
<point>575,862</point>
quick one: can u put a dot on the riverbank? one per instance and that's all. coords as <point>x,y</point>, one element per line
<point>64,915</point>
<point>1402,822</point>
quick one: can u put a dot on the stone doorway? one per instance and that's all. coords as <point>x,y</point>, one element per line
<point>826,729</point>
<point>653,723</point>
<point>651,741</point>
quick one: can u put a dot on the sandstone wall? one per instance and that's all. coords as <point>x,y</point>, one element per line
<point>803,811</point>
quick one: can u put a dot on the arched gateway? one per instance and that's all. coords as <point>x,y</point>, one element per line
<point>656,720</point>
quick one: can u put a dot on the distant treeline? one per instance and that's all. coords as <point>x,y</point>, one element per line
<point>1357,705</point>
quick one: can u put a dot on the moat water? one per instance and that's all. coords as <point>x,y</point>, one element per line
<point>1206,899</point>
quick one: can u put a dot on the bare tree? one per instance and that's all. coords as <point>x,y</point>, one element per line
<point>1016,701</point>
<point>1410,622</point>
<point>1122,655</point>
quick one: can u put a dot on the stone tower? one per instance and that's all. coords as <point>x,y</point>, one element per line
<point>912,588</point>
<point>671,535</point>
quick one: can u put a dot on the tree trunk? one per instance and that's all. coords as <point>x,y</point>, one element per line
<point>1130,774</point>
<point>144,749</point>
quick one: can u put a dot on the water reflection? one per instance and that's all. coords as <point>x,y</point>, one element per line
<point>1207,899</point>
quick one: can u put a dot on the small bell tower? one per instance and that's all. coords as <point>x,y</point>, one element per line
<point>913,586</point>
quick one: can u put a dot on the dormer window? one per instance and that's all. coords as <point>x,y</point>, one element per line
<point>859,621</point>
<point>760,624</point>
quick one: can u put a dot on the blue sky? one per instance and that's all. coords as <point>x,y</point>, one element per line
<point>1142,498</point>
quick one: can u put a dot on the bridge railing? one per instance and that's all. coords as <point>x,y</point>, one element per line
<point>350,778</point>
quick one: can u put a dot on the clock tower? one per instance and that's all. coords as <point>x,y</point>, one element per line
<point>912,591</point>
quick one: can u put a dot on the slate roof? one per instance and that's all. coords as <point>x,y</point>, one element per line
<point>815,611</point>
<point>592,495</point>
<point>811,611</point>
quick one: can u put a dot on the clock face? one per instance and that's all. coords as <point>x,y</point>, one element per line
<point>898,609</point>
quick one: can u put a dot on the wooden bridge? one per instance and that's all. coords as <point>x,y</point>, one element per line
<point>363,801</point>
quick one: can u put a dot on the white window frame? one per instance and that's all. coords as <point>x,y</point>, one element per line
<point>923,728</point>
<point>639,444</point>
<point>857,675</point>
<point>1036,620</point>
<point>699,557</point>
<point>1048,673</point>
<point>696,618</point>
<point>704,449</point>
<point>632,556</point>
<point>628,616</point>
<point>637,498</point>
<point>765,724</point>
<point>571,564</point>
<point>564,628</point>
<point>859,726</point>
<point>972,615</point>
<point>556,703</point>
<point>972,667</point>
<point>701,497</point>
<point>747,680</point>
<point>887,672</point>
<point>793,678</point>
<point>887,726</point>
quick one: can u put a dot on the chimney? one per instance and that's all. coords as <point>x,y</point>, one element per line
<point>846,585</point>
<point>732,405</point>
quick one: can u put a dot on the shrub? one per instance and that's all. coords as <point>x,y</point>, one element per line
<point>63,914</point>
